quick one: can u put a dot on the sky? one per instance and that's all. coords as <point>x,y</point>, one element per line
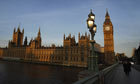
<point>58,17</point>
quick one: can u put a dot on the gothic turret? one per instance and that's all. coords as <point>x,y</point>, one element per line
<point>18,37</point>
<point>23,30</point>
<point>25,41</point>
<point>39,34</point>
<point>83,40</point>
<point>79,36</point>
<point>64,37</point>
<point>14,30</point>
<point>69,41</point>
<point>18,29</point>
<point>38,39</point>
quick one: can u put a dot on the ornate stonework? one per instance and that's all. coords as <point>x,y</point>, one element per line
<point>108,40</point>
<point>70,54</point>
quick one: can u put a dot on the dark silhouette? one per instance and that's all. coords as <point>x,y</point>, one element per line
<point>127,67</point>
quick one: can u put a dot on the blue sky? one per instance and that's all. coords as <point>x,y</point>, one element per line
<point>56,17</point>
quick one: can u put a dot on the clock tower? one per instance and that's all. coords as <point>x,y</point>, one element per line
<point>109,57</point>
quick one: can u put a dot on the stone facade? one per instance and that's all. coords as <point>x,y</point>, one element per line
<point>70,54</point>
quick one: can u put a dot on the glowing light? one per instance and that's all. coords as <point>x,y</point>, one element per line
<point>94,29</point>
<point>92,17</point>
<point>90,24</point>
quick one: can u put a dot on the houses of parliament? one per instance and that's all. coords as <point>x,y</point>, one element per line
<point>72,53</point>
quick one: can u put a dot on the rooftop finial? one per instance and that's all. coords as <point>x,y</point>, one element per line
<point>106,10</point>
<point>23,30</point>
<point>19,25</point>
<point>64,36</point>
<point>91,14</point>
<point>39,28</point>
<point>107,14</point>
<point>39,34</point>
<point>86,34</point>
<point>18,30</point>
<point>90,10</point>
<point>79,35</point>
<point>14,29</point>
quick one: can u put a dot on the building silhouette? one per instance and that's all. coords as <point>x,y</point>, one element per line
<point>17,38</point>
<point>136,55</point>
<point>121,57</point>
<point>70,54</point>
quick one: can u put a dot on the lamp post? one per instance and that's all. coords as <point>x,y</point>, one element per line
<point>92,58</point>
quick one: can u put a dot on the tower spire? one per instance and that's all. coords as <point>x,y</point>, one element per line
<point>107,14</point>
<point>25,41</point>
<point>18,30</point>
<point>39,34</point>
<point>19,25</point>
<point>14,29</point>
<point>79,35</point>
<point>23,30</point>
<point>64,37</point>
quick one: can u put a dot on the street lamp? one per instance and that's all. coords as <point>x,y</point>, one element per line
<point>92,58</point>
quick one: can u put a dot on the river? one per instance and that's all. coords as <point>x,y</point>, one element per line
<point>26,73</point>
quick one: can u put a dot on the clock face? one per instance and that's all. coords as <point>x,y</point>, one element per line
<point>107,28</point>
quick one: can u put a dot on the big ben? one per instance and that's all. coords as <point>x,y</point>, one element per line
<point>109,57</point>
